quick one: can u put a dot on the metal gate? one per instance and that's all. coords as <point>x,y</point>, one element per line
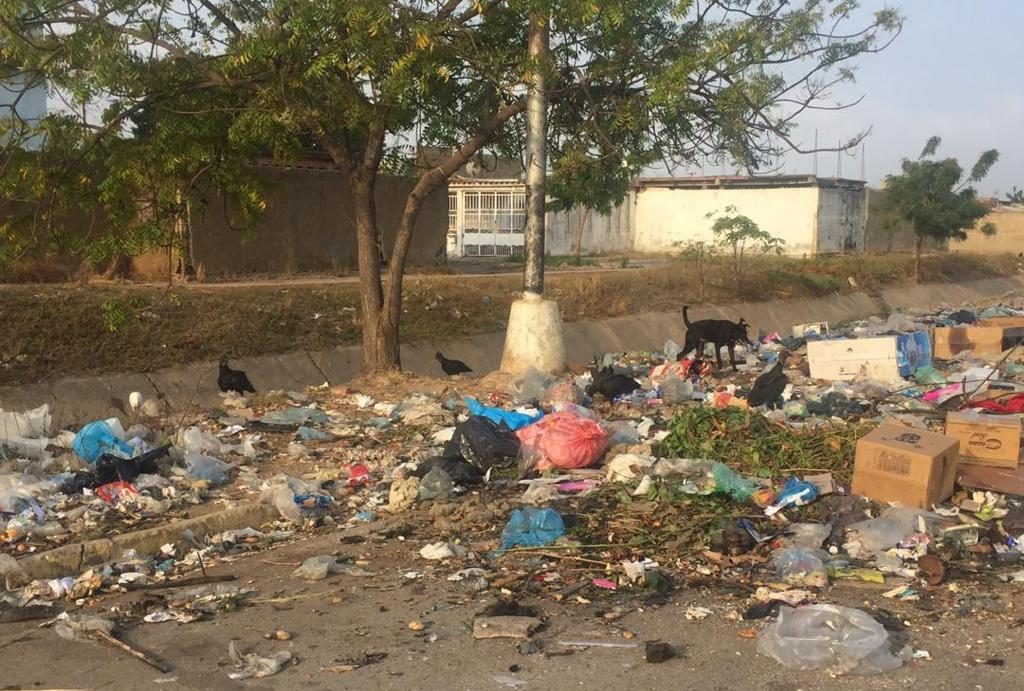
<point>492,222</point>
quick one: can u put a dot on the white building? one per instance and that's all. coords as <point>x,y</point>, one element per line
<point>487,217</point>
<point>813,215</point>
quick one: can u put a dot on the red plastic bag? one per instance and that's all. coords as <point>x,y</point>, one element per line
<point>116,492</point>
<point>563,440</point>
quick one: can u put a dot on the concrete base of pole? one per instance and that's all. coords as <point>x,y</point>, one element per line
<point>534,337</point>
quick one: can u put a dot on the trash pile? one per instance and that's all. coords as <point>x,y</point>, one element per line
<point>884,451</point>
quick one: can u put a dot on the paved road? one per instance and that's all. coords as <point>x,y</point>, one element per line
<point>372,616</point>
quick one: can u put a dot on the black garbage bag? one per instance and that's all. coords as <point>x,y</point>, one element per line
<point>963,317</point>
<point>110,468</point>
<point>484,443</point>
<point>461,471</point>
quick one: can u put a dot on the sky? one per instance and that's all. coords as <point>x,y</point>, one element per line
<point>956,71</point>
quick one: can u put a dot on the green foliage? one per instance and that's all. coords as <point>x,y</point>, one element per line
<point>119,314</point>
<point>168,103</point>
<point>753,445</point>
<point>741,234</point>
<point>1015,196</point>
<point>936,196</point>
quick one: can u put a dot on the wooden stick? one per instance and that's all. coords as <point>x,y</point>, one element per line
<point>188,582</point>
<point>138,654</point>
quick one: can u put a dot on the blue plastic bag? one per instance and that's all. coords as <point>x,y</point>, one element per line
<point>96,439</point>
<point>512,419</point>
<point>794,493</point>
<point>532,527</point>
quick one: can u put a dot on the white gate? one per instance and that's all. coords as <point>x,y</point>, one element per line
<point>492,221</point>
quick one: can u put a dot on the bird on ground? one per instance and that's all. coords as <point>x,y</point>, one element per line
<point>233,379</point>
<point>452,367</point>
<point>769,386</point>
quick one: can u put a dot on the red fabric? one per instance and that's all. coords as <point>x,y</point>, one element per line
<point>564,440</point>
<point>1006,405</point>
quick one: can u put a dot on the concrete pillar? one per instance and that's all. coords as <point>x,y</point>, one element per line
<point>534,337</point>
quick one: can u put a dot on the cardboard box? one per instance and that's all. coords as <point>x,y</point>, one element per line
<point>1005,322</point>
<point>885,358</point>
<point>901,464</point>
<point>980,340</point>
<point>992,440</point>
<point>1002,480</point>
<point>810,329</point>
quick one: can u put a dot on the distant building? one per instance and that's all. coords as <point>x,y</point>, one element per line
<point>486,217</point>
<point>813,215</point>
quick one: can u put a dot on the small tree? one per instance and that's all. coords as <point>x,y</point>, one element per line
<point>741,234</point>
<point>936,197</point>
<point>1015,196</point>
<point>700,255</point>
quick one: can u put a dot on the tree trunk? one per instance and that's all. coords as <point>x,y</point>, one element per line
<point>380,338</point>
<point>917,262</point>
<point>584,215</point>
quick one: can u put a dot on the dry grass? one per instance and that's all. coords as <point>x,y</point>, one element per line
<point>54,331</point>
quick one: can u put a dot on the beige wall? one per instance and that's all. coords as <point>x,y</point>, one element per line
<point>309,226</point>
<point>1009,237</point>
<point>665,216</point>
<point>601,233</point>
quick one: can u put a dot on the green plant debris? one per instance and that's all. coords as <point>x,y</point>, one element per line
<point>753,445</point>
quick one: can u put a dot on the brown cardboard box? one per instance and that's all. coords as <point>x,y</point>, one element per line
<point>980,340</point>
<point>1005,322</point>
<point>992,440</point>
<point>1002,480</point>
<point>911,466</point>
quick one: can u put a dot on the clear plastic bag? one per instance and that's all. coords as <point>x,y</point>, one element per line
<point>800,567</point>
<point>841,640</point>
<point>532,527</point>
<point>676,390</point>
<point>437,484</point>
<point>31,424</point>
<point>211,470</point>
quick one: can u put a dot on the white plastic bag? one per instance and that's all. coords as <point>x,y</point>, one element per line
<point>31,424</point>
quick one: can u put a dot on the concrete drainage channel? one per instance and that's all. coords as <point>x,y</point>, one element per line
<point>79,399</point>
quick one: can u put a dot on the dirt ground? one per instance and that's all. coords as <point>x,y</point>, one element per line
<point>52,331</point>
<point>334,621</point>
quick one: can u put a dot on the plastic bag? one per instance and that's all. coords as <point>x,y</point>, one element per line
<point>211,470</point>
<point>800,567</point>
<point>880,534</point>
<point>533,385</point>
<point>562,440</point>
<point>98,438</point>
<point>482,442</point>
<point>297,501</point>
<point>195,440</point>
<point>676,390</point>
<point>31,424</point>
<point>511,419</point>
<point>840,639</point>
<point>319,567</point>
<point>562,392</point>
<point>671,350</point>
<point>728,482</point>
<point>294,416</point>
<point>436,484</point>
<point>928,375</point>
<point>622,432</point>
<point>532,527</point>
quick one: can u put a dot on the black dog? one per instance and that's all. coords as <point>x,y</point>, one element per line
<point>721,332</point>
<point>611,385</point>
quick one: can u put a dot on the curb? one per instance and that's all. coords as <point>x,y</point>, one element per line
<point>71,560</point>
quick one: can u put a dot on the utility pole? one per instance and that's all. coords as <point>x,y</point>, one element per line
<point>536,157</point>
<point>533,338</point>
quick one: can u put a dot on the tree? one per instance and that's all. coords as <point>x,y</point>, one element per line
<point>1015,196</point>
<point>191,91</point>
<point>740,234</point>
<point>937,198</point>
